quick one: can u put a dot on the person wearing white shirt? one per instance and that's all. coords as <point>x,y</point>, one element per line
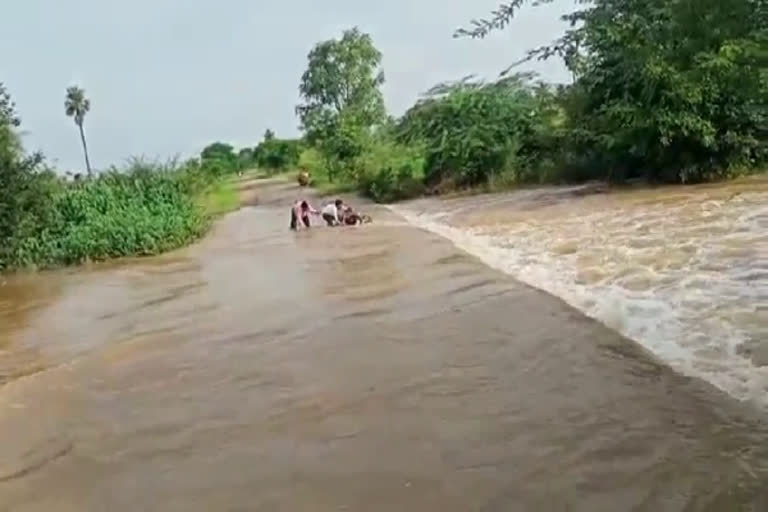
<point>331,212</point>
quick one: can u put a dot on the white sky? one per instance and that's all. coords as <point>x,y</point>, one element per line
<point>166,77</point>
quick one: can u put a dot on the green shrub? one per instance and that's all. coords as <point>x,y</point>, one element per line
<point>143,210</point>
<point>275,155</point>
<point>389,171</point>
<point>474,131</point>
<point>219,159</point>
<point>311,160</point>
<point>668,91</point>
<point>27,190</point>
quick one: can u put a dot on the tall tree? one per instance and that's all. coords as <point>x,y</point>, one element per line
<point>76,106</point>
<point>674,90</point>
<point>218,150</point>
<point>24,196</point>
<point>268,135</point>
<point>8,115</point>
<point>219,158</point>
<point>341,96</point>
<point>343,77</point>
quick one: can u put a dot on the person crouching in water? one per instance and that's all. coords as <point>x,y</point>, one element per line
<point>300,214</point>
<point>353,218</point>
<point>332,213</point>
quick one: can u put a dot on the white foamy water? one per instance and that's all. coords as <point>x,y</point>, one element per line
<point>684,272</point>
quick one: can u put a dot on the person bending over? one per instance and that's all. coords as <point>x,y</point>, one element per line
<point>332,212</point>
<point>300,215</point>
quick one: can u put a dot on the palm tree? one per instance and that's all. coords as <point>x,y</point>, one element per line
<point>76,105</point>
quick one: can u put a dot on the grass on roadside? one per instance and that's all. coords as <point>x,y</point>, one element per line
<point>326,188</point>
<point>220,198</point>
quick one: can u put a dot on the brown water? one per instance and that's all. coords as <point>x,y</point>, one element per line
<point>683,271</point>
<point>373,368</point>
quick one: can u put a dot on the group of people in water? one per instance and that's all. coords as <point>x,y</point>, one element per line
<point>335,213</point>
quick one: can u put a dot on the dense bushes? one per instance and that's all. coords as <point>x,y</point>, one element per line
<point>384,170</point>
<point>689,103</point>
<point>663,91</point>
<point>460,134</point>
<point>145,209</point>
<point>26,192</point>
<point>219,159</point>
<point>275,155</point>
<point>389,171</point>
<point>474,132</point>
<point>271,154</point>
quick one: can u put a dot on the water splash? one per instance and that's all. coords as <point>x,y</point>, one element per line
<point>683,274</point>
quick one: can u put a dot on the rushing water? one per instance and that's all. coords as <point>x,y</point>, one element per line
<point>380,368</point>
<point>682,271</point>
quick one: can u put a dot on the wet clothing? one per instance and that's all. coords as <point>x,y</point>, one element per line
<point>353,219</point>
<point>330,214</point>
<point>300,215</point>
<point>295,218</point>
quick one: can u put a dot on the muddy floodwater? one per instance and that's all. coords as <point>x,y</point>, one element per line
<point>413,364</point>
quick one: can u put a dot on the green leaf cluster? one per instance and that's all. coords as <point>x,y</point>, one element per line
<point>666,90</point>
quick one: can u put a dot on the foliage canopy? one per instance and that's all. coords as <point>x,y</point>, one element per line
<point>671,90</point>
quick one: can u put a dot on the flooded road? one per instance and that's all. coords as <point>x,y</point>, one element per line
<point>682,270</point>
<point>373,368</point>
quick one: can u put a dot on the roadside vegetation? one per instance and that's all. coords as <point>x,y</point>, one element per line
<point>49,219</point>
<point>143,208</point>
<point>664,91</point>
<point>661,92</point>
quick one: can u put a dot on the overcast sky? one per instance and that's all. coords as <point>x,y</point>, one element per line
<point>165,77</point>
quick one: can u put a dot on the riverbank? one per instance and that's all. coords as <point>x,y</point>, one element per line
<point>345,368</point>
<point>143,210</point>
<point>221,197</point>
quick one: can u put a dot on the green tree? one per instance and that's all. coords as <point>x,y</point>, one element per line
<point>76,106</point>
<point>218,150</point>
<point>278,154</point>
<point>269,135</point>
<point>473,131</point>
<point>673,90</point>
<point>8,115</point>
<point>246,158</point>
<point>341,95</point>
<point>26,189</point>
<point>219,158</point>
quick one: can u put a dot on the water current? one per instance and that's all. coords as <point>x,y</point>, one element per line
<point>682,271</point>
<point>381,368</point>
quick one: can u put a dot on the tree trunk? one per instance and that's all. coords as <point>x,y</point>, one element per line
<point>329,169</point>
<point>85,150</point>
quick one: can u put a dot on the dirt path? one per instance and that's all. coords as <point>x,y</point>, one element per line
<point>286,187</point>
<point>283,191</point>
